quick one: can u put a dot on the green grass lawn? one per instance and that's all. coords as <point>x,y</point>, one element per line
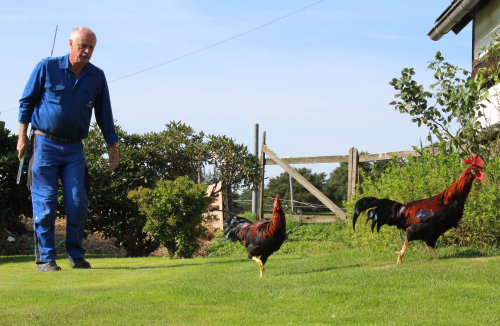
<point>341,287</point>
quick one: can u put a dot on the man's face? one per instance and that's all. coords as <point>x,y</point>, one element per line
<point>82,47</point>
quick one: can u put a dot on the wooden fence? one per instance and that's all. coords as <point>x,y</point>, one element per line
<point>353,159</point>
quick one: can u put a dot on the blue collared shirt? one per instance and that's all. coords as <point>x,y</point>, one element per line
<point>57,103</point>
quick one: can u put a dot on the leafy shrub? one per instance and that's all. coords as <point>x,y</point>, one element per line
<point>144,160</point>
<point>174,212</point>
<point>314,232</point>
<point>14,199</point>
<point>452,106</point>
<point>234,166</point>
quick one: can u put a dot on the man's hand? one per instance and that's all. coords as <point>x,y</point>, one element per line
<point>114,158</point>
<point>22,140</point>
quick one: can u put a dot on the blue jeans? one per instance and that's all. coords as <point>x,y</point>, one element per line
<point>54,160</point>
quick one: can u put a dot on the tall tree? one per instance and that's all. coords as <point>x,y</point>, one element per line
<point>281,185</point>
<point>233,166</point>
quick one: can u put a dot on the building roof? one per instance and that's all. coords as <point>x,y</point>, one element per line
<point>455,17</point>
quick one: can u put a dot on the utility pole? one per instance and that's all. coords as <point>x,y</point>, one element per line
<point>255,194</point>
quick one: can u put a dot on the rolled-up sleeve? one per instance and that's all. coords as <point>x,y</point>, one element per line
<point>32,93</point>
<point>104,113</point>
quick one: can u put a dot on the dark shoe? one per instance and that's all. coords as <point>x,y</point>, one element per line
<point>50,266</point>
<point>79,263</point>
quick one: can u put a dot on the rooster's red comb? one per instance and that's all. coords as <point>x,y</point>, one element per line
<point>277,201</point>
<point>474,160</point>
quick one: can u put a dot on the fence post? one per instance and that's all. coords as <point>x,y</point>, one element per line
<point>260,210</point>
<point>352,176</point>
<point>292,195</point>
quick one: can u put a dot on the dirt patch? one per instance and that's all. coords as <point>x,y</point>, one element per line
<point>21,243</point>
<point>14,244</point>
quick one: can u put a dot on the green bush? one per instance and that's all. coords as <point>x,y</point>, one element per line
<point>144,160</point>
<point>174,212</point>
<point>14,199</point>
<point>452,106</point>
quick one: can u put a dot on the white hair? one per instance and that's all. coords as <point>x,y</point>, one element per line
<point>76,30</point>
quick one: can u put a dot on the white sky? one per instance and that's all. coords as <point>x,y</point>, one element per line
<point>317,81</point>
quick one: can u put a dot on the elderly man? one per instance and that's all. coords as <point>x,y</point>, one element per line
<point>58,101</point>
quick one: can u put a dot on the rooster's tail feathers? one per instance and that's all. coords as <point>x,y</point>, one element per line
<point>361,205</point>
<point>380,211</point>
<point>233,227</point>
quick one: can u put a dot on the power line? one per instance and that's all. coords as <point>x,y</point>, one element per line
<point>8,110</point>
<point>220,42</point>
<point>211,45</point>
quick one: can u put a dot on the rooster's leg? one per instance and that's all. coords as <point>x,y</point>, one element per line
<point>433,253</point>
<point>402,252</point>
<point>261,265</point>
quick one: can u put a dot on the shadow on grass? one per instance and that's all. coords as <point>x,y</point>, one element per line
<point>16,259</point>
<point>231,261</point>
<point>143,267</point>
<point>212,262</point>
<point>320,270</point>
<point>466,253</point>
<point>31,258</point>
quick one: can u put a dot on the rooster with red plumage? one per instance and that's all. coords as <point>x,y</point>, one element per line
<point>425,219</point>
<point>261,238</point>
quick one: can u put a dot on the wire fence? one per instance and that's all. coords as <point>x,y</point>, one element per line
<point>286,204</point>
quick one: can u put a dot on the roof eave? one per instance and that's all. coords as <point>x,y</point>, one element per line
<point>456,15</point>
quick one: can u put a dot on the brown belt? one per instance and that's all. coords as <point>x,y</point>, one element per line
<point>64,140</point>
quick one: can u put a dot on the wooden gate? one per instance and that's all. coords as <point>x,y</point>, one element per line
<point>353,160</point>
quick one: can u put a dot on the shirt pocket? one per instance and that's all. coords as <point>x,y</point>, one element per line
<point>55,94</point>
<point>88,100</point>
